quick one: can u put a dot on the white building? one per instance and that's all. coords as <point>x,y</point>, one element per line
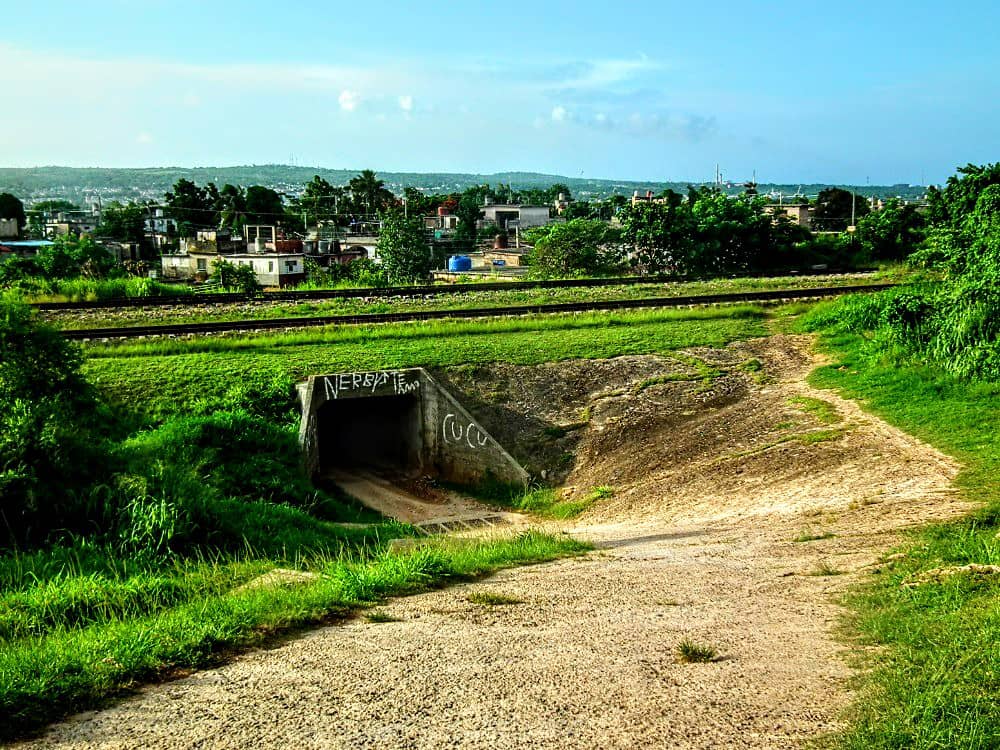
<point>510,216</point>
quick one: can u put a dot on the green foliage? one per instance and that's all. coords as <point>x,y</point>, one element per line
<point>403,248</point>
<point>51,450</point>
<point>576,247</point>
<point>263,206</point>
<point>192,206</point>
<point>708,234</point>
<point>234,277</point>
<point>690,652</point>
<point>891,233</point>
<point>71,257</point>
<point>123,222</point>
<point>469,213</point>
<point>835,207</point>
<point>955,323</point>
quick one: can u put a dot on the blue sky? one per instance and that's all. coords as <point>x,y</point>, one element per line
<point>800,92</point>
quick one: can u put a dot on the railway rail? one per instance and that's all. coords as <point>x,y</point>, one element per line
<point>185,329</point>
<point>367,292</point>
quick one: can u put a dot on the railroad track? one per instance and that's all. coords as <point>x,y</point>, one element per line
<point>369,292</point>
<point>185,329</point>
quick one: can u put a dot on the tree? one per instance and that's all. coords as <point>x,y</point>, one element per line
<point>238,277</point>
<point>577,247</point>
<point>192,207</point>
<point>891,233</point>
<point>370,193</point>
<point>54,206</point>
<point>72,256</point>
<point>126,223</point>
<point>12,208</point>
<point>661,235</point>
<point>264,205</point>
<point>232,208</point>
<point>835,207</point>
<point>469,213</point>
<point>403,248</point>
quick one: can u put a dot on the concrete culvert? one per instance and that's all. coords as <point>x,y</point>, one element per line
<point>399,422</point>
<point>383,433</point>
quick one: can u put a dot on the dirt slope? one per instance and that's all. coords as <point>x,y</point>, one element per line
<point>714,479</point>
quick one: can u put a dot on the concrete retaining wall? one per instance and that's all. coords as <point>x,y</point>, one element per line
<point>448,442</point>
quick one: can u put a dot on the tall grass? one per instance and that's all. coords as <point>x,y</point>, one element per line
<point>90,290</point>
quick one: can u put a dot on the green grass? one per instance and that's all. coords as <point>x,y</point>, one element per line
<point>546,502</point>
<point>935,676</point>
<point>184,370</point>
<point>474,299</point>
<point>825,568</point>
<point>90,638</point>
<point>690,652</point>
<point>492,599</point>
<point>819,409</point>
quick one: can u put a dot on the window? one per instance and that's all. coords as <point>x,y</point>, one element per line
<point>289,266</point>
<point>270,266</point>
<point>202,264</point>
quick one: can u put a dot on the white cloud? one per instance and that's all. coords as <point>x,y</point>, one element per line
<point>406,103</point>
<point>349,100</point>
<point>144,139</point>
<point>559,114</point>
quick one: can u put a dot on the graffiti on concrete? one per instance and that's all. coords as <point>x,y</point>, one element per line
<point>458,431</point>
<point>398,383</point>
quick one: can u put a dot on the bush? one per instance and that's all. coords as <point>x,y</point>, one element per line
<point>52,452</point>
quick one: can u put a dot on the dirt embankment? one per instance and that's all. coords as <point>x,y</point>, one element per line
<point>744,501</point>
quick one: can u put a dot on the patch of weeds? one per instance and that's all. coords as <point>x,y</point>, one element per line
<point>603,492</point>
<point>566,459</point>
<point>493,599</point>
<point>673,377</point>
<point>379,616</point>
<point>555,431</point>
<point>808,536</point>
<point>781,426</point>
<point>690,652</point>
<point>821,410</point>
<point>818,436</point>
<point>752,365</point>
<point>826,569</point>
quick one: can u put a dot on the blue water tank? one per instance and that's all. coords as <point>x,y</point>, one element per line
<point>459,263</point>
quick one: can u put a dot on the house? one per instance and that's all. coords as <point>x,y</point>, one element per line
<point>510,216</point>
<point>274,269</point>
<point>72,222</point>
<point>647,198</point>
<point>799,213</point>
<point>443,221</point>
<point>23,248</point>
<point>214,242</point>
<point>8,229</point>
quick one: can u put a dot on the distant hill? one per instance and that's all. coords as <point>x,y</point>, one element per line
<point>84,185</point>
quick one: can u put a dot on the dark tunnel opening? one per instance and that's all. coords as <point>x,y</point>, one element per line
<point>382,434</point>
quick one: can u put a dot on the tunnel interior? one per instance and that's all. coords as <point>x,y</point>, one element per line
<point>381,433</point>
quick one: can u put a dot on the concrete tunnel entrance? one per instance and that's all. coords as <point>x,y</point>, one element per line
<point>382,434</point>
<point>398,422</point>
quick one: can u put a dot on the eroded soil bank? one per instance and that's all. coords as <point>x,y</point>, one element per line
<point>744,500</point>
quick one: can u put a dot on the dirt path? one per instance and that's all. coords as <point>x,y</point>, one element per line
<point>698,547</point>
